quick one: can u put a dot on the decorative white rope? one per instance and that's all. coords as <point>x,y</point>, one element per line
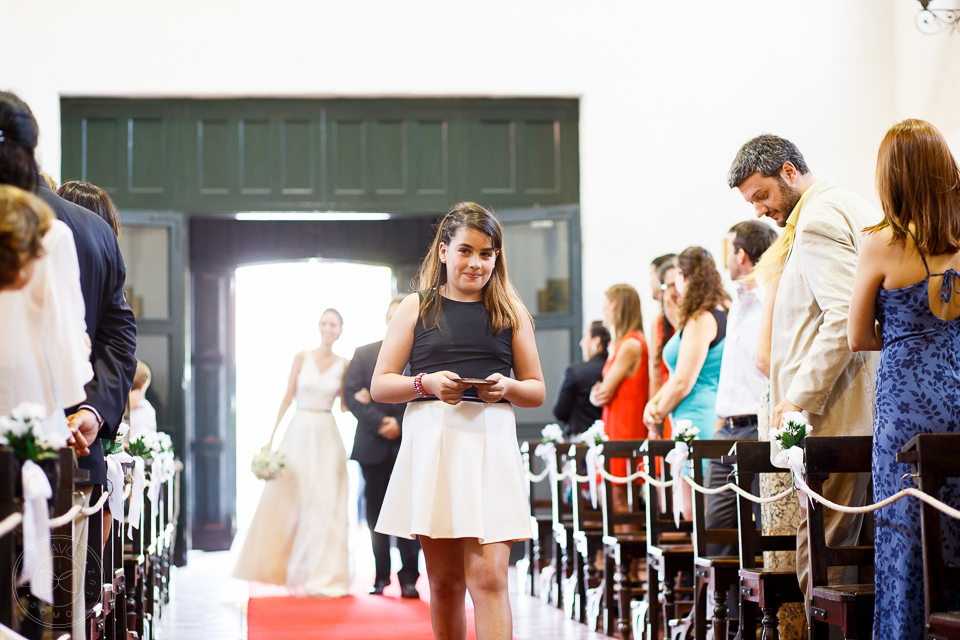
<point>663,484</point>
<point>10,523</point>
<point>76,512</point>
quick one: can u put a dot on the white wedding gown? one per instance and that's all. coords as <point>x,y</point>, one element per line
<point>299,534</point>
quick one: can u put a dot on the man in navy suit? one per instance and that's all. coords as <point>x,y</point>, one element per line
<point>573,407</point>
<point>375,447</point>
<point>110,322</point>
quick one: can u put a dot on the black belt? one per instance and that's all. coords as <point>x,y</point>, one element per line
<point>737,422</point>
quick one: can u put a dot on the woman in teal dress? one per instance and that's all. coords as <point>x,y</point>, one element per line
<point>694,352</point>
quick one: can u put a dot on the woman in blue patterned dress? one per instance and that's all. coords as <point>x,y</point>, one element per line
<point>906,303</point>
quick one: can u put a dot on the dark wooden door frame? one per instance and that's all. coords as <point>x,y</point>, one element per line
<point>207,158</point>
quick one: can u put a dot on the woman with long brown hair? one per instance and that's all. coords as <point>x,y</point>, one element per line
<point>625,387</point>
<point>906,304</point>
<point>458,483</point>
<point>694,352</point>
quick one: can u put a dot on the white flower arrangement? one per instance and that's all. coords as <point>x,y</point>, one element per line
<point>115,446</point>
<point>151,444</point>
<point>23,432</point>
<point>684,431</point>
<point>551,433</point>
<point>793,429</point>
<point>595,435</point>
<point>268,464</point>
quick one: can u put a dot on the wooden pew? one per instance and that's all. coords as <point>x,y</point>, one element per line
<point>758,586</point>
<point>621,548</point>
<point>584,592</point>
<point>115,596</point>
<point>10,503</point>
<point>535,550</point>
<point>669,548</point>
<point>713,574</point>
<point>935,458</point>
<point>562,539</point>
<point>849,607</point>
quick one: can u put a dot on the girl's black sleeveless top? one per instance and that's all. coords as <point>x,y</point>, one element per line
<point>463,343</point>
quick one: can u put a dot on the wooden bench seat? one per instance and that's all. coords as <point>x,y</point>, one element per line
<point>623,581</point>
<point>935,458</point>
<point>759,587</point>
<point>849,607</point>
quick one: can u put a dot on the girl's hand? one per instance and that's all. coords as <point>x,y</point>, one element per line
<point>443,386</point>
<point>494,392</point>
<point>598,398</point>
<point>651,417</point>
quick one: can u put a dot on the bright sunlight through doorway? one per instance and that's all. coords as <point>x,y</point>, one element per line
<point>278,308</point>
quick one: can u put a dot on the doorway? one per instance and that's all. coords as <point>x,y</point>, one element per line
<point>277,309</point>
<point>184,169</point>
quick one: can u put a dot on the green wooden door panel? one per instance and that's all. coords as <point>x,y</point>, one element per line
<point>256,157</point>
<point>390,154</point>
<point>214,157</point>
<point>497,151</point>
<point>298,157</point>
<point>348,165</point>
<point>393,155</point>
<point>541,156</point>
<point>430,157</point>
<point>146,155</point>
<point>100,159</point>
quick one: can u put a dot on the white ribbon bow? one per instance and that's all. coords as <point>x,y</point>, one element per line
<point>37,554</point>
<point>593,468</point>
<point>677,459</point>
<point>115,479</point>
<point>548,452</point>
<point>793,458</point>
<point>159,473</point>
<point>136,496</point>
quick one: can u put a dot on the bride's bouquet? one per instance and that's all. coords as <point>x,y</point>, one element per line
<point>268,464</point>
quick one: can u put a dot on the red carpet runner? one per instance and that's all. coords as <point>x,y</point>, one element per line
<point>274,615</point>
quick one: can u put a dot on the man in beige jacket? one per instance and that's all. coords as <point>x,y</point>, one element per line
<point>811,366</point>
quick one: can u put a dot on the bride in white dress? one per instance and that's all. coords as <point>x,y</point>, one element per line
<point>299,534</point>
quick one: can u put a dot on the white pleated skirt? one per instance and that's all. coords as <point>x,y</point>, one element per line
<point>458,475</point>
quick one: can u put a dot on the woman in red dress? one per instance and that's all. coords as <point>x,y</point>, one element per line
<point>625,387</point>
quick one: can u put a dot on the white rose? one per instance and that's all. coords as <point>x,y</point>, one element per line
<point>29,411</point>
<point>552,433</point>
<point>54,441</point>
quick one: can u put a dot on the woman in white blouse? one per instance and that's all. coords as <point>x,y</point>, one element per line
<point>44,348</point>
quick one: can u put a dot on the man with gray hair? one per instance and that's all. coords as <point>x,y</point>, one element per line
<point>812,369</point>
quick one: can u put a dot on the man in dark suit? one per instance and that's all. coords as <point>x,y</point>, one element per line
<point>375,447</point>
<point>110,322</point>
<point>573,407</point>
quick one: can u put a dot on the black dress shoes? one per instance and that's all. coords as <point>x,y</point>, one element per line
<point>409,591</point>
<point>378,587</point>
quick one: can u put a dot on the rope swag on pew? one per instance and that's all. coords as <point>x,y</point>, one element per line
<point>792,455</point>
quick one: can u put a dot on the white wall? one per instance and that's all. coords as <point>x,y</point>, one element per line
<point>669,90</point>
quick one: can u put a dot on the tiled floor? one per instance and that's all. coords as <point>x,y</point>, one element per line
<point>207,604</point>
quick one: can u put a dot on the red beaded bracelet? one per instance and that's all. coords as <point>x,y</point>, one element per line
<point>418,386</point>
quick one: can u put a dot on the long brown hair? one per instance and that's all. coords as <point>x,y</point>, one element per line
<point>704,291</point>
<point>90,196</point>
<point>499,296</point>
<point>24,219</point>
<point>918,182</point>
<point>626,312</point>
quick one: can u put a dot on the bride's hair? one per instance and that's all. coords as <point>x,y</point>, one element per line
<point>334,312</point>
<point>499,296</point>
